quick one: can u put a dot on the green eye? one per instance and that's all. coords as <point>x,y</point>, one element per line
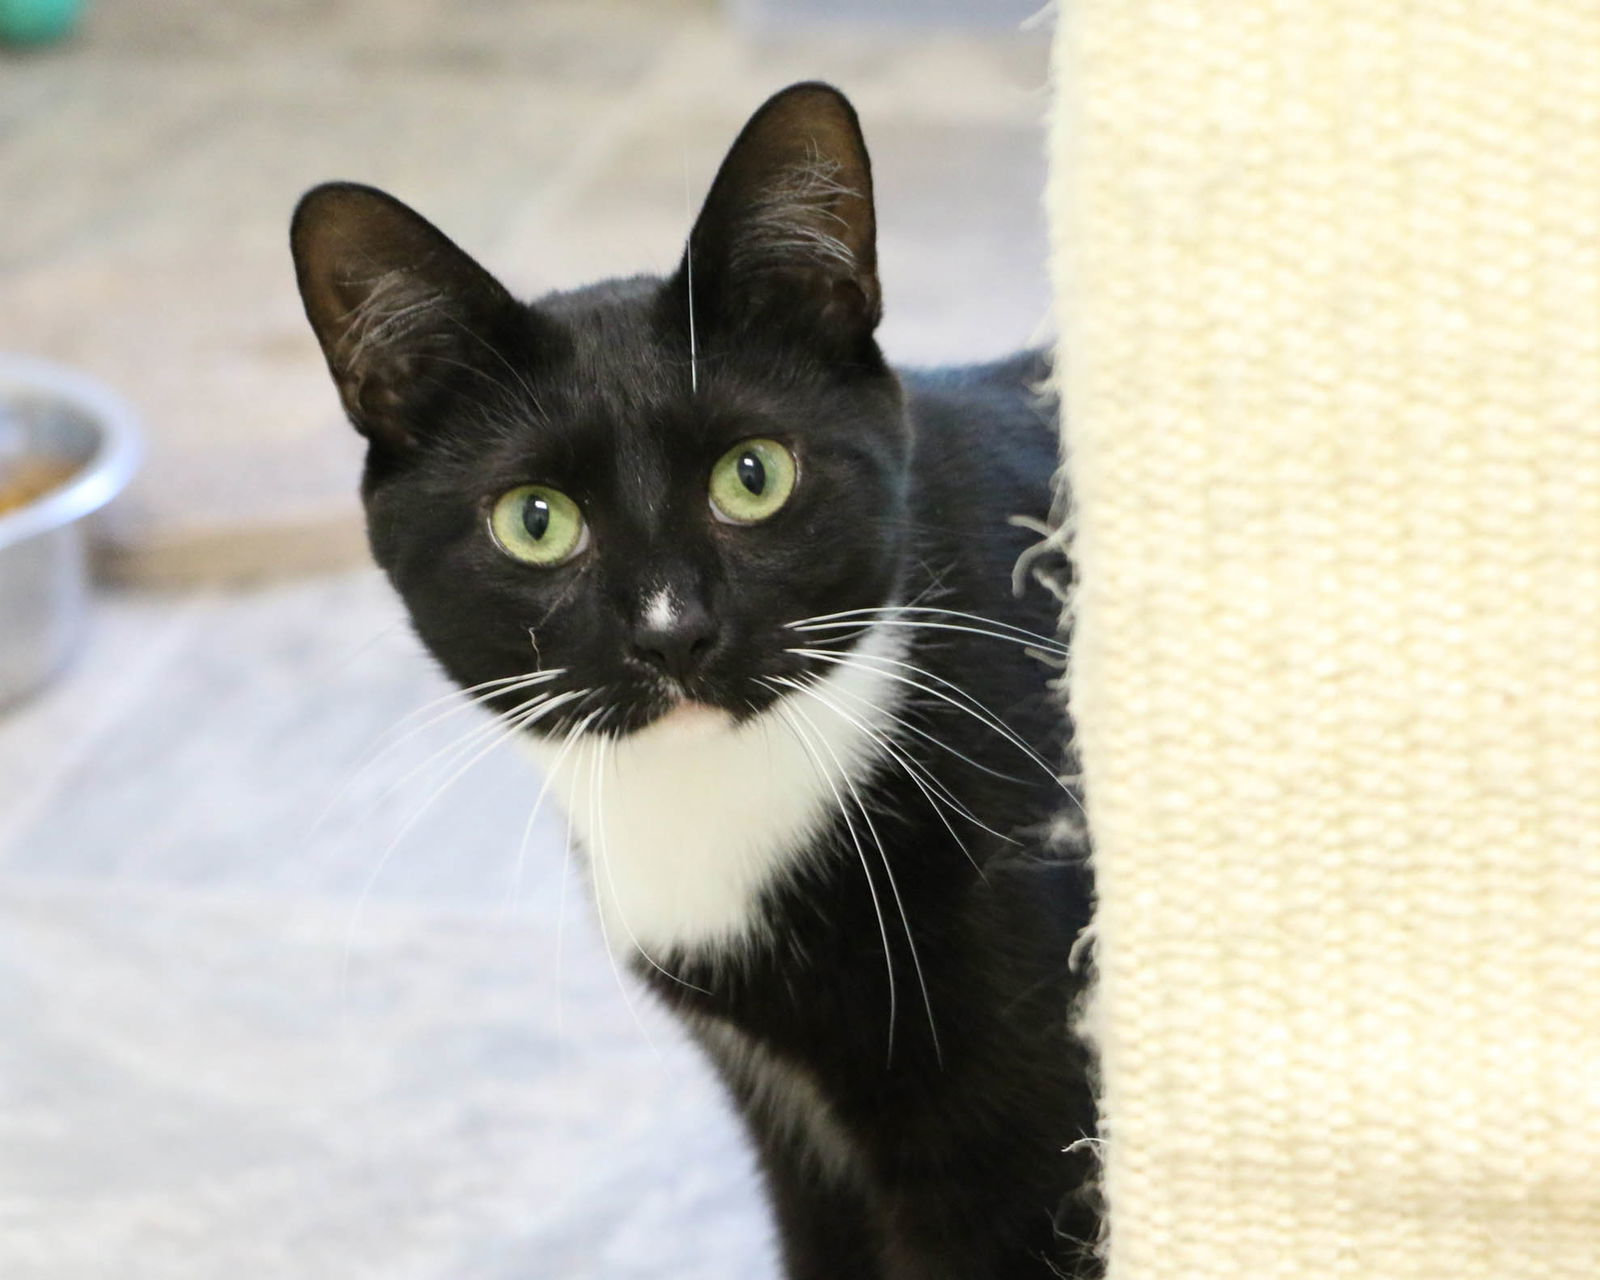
<point>751,481</point>
<point>538,525</point>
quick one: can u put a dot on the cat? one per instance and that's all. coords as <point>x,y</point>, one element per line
<point>747,592</point>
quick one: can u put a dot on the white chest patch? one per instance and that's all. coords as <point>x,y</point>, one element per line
<point>688,820</point>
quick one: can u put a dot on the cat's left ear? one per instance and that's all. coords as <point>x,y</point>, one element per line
<point>788,232</point>
<point>398,308</point>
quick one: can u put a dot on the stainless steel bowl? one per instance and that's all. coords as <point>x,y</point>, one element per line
<point>60,416</point>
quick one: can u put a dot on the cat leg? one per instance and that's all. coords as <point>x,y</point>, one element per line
<point>825,1225</point>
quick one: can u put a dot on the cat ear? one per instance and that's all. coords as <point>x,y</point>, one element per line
<point>788,228</point>
<point>397,307</point>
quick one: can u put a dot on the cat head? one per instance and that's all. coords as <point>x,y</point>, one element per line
<point>641,484</point>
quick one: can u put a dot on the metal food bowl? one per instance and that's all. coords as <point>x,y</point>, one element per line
<point>54,415</point>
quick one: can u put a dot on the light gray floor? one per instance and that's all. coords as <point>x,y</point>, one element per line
<point>256,1027</point>
<point>261,1017</point>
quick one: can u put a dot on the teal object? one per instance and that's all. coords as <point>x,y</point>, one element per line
<point>37,21</point>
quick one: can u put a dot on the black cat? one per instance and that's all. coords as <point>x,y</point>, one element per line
<point>748,593</point>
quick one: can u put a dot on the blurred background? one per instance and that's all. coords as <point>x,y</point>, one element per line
<point>293,985</point>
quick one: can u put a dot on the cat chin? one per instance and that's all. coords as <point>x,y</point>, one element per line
<point>687,721</point>
<point>691,818</point>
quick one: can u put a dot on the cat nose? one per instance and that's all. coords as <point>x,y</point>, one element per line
<point>676,648</point>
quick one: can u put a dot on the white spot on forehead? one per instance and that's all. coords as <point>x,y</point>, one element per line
<point>661,612</point>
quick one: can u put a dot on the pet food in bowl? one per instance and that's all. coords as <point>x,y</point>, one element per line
<point>67,447</point>
<point>23,480</point>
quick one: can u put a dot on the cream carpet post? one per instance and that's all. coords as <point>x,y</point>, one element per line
<point>1330,309</point>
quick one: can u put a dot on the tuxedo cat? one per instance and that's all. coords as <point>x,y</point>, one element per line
<point>747,592</point>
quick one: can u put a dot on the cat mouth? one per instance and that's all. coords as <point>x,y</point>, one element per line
<point>679,709</point>
<point>693,710</point>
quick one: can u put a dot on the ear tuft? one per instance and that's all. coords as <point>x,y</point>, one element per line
<point>794,219</point>
<point>789,223</point>
<point>392,301</point>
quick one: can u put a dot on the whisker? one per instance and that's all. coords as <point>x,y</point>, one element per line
<point>527,828</point>
<point>1027,643</point>
<point>469,739</point>
<point>971,705</point>
<point>688,266</point>
<point>517,375</point>
<point>596,821</point>
<point>510,725</point>
<point>872,888</point>
<point>888,871</point>
<point>932,739</point>
<point>976,709</point>
<point>991,626</point>
<point>500,729</point>
<point>462,702</point>
<point>561,911</point>
<point>915,771</point>
<point>913,606</point>
<point>856,630</point>
<point>464,699</point>
<point>602,856</point>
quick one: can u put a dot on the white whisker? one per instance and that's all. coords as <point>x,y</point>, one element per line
<point>895,718</point>
<point>499,730</point>
<point>888,871</point>
<point>596,825</point>
<point>511,726</point>
<point>566,876</point>
<point>861,853</point>
<point>973,707</point>
<point>461,700</point>
<point>688,267</point>
<point>527,828</point>
<point>1043,649</point>
<point>893,615</point>
<point>601,856</point>
<point>913,770</point>
<point>465,700</point>
<point>469,739</point>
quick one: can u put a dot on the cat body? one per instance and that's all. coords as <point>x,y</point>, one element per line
<point>803,731</point>
<point>944,1117</point>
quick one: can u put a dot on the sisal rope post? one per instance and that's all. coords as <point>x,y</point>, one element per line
<point>1329,283</point>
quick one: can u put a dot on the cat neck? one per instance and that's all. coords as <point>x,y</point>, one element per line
<point>688,823</point>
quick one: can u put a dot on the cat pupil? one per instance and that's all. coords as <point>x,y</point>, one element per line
<point>536,517</point>
<point>752,474</point>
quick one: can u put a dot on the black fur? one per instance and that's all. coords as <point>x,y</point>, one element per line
<point>960,1167</point>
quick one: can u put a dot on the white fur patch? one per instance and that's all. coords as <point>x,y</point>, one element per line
<point>688,820</point>
<point>661,612</point>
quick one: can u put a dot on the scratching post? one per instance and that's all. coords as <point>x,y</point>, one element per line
<point>1329,281</point>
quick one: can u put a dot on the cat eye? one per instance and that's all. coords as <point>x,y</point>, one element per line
<point>539,526</point>
<point>751,481</point>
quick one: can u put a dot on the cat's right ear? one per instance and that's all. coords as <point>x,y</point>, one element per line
<point>396,305</point>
